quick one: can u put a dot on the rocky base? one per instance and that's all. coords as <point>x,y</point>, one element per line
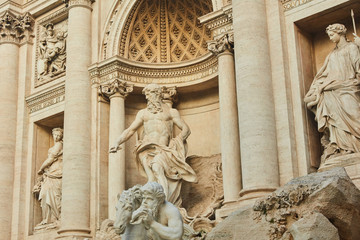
<point>322,205</point>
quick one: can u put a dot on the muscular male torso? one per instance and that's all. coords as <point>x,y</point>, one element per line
<point>158,127</point>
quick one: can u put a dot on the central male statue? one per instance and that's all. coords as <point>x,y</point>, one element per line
<point>161,157</point>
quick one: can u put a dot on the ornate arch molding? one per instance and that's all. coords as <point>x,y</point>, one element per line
<point>113,65</point>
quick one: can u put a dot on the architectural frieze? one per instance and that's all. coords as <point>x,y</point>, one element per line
<point>44,100</point>
<point>115,87</point>
<point>290,4</point>
<point>16,28</point>
<point>141,74</point>
<point>225,43</point>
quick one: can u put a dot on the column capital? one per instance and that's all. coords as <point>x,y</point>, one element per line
<point>222,44</point>
<point>168,95</point>
<point>86,3</point>
<point>117,86</point>
<point>16,28</point>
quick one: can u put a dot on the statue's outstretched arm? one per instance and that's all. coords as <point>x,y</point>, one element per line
<point>127,133</point>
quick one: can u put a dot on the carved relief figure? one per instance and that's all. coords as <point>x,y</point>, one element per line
<point>334,96</point>
<point>49,186</point>
<point>52,53</point>
<point>160,157</point>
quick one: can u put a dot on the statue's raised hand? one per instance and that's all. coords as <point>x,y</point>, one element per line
<point>356,39</point>
<point>114,149</point>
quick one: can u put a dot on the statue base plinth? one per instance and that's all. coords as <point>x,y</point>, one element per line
<point>351,163</point>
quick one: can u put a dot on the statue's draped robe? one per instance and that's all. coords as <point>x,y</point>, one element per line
<point>172,159</point>
<point>50,193</point>
<point>334,98</point>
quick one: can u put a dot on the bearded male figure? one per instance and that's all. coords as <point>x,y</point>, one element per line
<point>160,157</point>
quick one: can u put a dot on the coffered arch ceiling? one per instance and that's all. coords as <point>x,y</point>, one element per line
<point>165,31</point>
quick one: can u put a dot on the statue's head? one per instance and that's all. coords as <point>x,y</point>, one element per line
<point>336,31</point>
<point>153,196</point>
<point>57,134</point>
<point>152,93</point>
<point>124,208</point>
<point>49,29</point>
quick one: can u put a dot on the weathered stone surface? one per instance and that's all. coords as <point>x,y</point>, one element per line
<point>314,226</point>
<point>329,193</point>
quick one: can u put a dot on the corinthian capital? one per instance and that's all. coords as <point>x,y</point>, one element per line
<point>225,43</point>
<point>168,95</point>
<point>116,87</point>
<point>15,28</point>
<point>87,3</point>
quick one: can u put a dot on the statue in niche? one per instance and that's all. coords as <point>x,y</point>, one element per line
<point>48,187</point>
<point>334,96</point>
<point>143,213</point>
<point>160,157</point>
<point>52,53</point>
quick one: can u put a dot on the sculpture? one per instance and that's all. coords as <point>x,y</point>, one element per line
<point>128,202</point>
<point>160,157</point>
<point>155,218</point>
<point>52,53</point>
<point>334,96</point>
<point>49,186</point>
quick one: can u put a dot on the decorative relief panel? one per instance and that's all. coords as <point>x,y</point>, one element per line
<point>166,31</point>
<point>51,48</point>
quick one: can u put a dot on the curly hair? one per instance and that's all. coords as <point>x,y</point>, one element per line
<point>60,130</point>
<point>155,189</point>
<point>337,28</point>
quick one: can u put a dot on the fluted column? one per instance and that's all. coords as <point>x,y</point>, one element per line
<point>14,30</point>
<point>229,128</point>
<point>75,209</point>
<point>116,92</point>
<point>259,160</point>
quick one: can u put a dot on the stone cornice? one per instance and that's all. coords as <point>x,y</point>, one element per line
<point>84,3</point>
<point>16,28</point>
<point>290,4</point>
<point>141,74</point>
<point>115,87</point>
<point>46,99</point>
<point>225,43</point>
<point>219,22</point>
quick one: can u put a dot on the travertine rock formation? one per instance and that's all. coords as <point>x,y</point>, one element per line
<point>283,214</point>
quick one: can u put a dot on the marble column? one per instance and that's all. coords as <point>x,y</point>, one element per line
<point>75,209</point>
<point>116,92</point>
<point>229,128</point>
<point>13,31</point>
<point>259,158</point>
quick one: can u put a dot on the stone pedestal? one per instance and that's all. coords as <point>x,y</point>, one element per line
<point>75,215</point>
<point>350,162</point>
<point>116,93</point>
<point>259,157</point>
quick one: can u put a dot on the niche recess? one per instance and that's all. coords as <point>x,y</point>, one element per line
<point>313,45</point>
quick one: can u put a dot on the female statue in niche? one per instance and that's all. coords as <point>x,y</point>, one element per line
<point>49,186</point>
<point>334,96</point>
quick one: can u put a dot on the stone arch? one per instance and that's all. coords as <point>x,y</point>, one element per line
<point>121,23</point>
